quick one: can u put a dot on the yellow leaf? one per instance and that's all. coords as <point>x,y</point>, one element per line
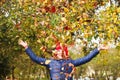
<point>115,20</point>
<point>63,37</point>
<point>66,10</point>
<point>85,23</point>
<point>20,2</point>
<point>38,41</point>
<point>64,19</point>
<point>118,10</point>
<point>115,29</point>
<point>73,9</point>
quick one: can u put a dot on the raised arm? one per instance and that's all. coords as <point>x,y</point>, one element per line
<point>89,57</point>
<point>31,54</point>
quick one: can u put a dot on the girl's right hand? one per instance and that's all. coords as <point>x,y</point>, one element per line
<point>22,43</point>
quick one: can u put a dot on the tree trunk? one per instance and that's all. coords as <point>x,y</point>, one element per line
<point>13,76</point>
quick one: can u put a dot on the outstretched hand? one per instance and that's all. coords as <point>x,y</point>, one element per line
<point>103,47</point>
<point>23,43</point>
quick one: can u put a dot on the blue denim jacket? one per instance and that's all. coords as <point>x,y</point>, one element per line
<point>58,68</point>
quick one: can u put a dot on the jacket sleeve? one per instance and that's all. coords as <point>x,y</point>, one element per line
<point>85,59</point>
<point>35,58</point>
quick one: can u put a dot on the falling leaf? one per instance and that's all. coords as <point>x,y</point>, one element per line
<point>53,9</point>
<point>67,28</point>
<point>66,10</point>
<point>64,19</point>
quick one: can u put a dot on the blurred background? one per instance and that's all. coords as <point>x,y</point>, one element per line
<point>81,24</point>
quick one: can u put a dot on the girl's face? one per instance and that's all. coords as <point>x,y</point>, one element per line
<point>59,54</point>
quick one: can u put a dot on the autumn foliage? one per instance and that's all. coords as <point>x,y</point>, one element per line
<point>43,23</point>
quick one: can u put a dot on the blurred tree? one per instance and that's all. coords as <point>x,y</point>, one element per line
<point>45,22</point>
